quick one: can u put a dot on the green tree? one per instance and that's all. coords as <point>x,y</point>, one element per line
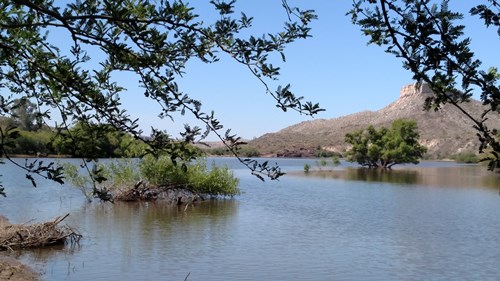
<point>32,143</point>
<point>25,115</point>
<point>153,40</point>
<point>429,38</point>
<point>384,148</point>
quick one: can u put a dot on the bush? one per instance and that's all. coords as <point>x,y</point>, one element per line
<point>162,171</point>
<point>307,168</point>
<point>158,172</point>
<point>79,180</point>
<point>216,181</point>
<point>121,173</point>
<point>466,157</point>
<point>249,151</point>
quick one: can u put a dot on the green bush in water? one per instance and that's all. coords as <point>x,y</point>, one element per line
<point>216,181</point>
<point>306,168</point>
<point>125,173</point>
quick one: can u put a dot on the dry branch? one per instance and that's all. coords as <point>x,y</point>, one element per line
<point>16,236</point>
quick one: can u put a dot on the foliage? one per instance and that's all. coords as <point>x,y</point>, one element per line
<point>152,41</point>
<point>162,171</point>
<point>385,147</point>
<point>91,142</point>
<point>244,150</point>
<point>81,181</point>
<point>248,151</point>
<point>307,168</point>
<point>96,141</point>
<point>121,172</point>
<point>217,151</point>
<point>322,163</point>
<point>325,153</point>
<point>217,181</point>
<point>335,160</point>
<point>31,143</point>
<point>24,113</point>
<point>429,38</point>
<point>124,174</point>
<point>466,157</point>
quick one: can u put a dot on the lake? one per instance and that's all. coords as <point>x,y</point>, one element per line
<point>433,221</point>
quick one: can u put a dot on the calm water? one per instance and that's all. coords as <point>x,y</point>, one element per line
<point>439,221</point>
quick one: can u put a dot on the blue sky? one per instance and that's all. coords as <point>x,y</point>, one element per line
<point>335,68</point>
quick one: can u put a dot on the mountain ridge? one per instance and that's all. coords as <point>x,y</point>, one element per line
<point>445,132</point>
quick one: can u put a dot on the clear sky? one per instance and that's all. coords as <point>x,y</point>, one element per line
<point>335,68</point>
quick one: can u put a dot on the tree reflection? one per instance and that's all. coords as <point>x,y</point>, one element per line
<point>465,176</point>
<point>382,175</point>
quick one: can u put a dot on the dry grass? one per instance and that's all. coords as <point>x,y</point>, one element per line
<point>17,236</point>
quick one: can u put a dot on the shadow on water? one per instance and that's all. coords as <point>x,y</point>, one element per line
<point>459,176</point>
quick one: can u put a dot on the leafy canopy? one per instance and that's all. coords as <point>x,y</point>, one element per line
<point>429,38</point>
<point>72,77</point>
<point>385,147</point>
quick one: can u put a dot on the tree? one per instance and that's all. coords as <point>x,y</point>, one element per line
<point>152,40</point>
<point>430,40</point>
<point>24,114</point>
<point>384,148</point>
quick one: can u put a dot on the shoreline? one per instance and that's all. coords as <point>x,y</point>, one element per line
<point>14,270</point>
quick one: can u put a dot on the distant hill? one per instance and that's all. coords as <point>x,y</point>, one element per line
<point>445,132</point>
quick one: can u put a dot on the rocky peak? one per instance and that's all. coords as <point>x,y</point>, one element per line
<point>415,89</point>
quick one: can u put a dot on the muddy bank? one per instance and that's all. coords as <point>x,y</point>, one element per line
<point>13,270</point>
<point>168,195</point>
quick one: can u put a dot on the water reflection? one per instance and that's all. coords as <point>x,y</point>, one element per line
<point>140,235</point>
<point>459,176</point>
<point>345,228</point>
<point>372,175</point>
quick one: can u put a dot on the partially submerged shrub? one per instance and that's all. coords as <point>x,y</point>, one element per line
<point>79,180</point>
<point>124,174</point>
<point>307,167</point>
<point>217,181</point>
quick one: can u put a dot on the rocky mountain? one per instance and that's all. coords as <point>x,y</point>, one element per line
<point>445,132</point>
